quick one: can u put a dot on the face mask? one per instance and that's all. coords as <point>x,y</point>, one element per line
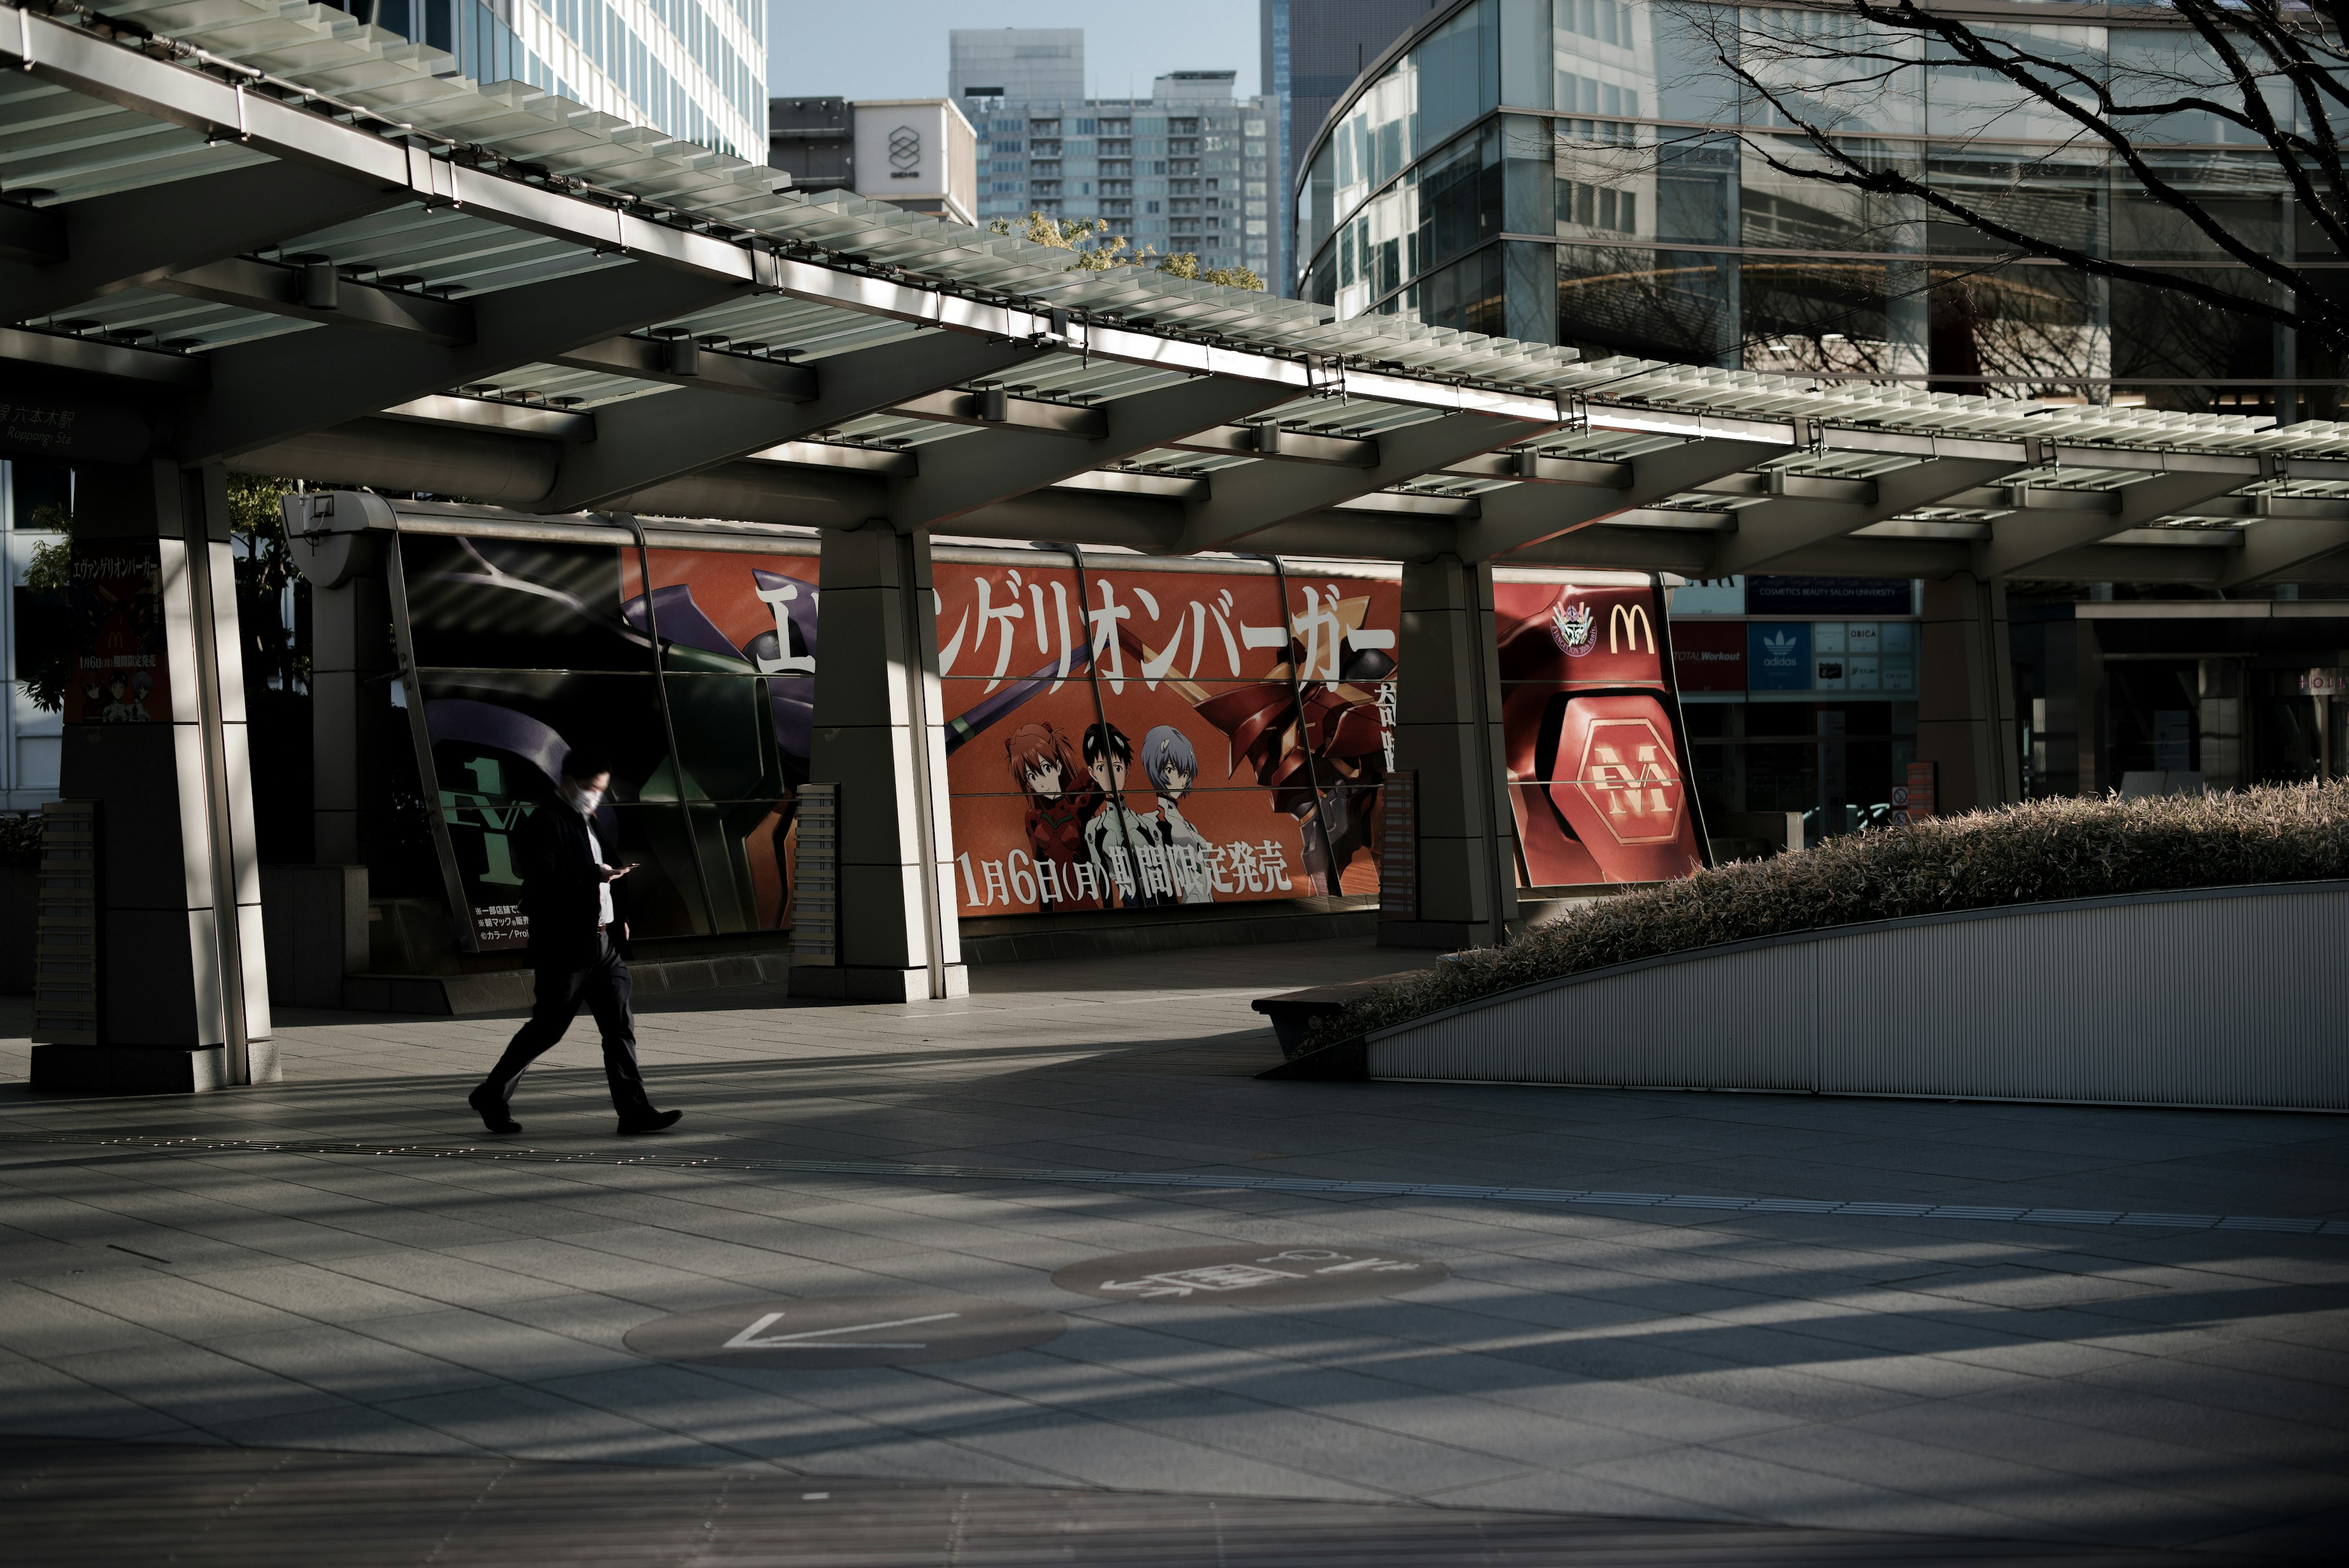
<point>583,801</point>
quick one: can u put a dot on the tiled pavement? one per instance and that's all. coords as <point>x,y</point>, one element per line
<point>2052,1383</point>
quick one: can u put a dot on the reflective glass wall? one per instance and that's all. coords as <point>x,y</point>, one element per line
<point>1590,172</point>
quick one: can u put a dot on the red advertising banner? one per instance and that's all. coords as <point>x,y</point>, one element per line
<point>1122,735</point>
<point>1595,769</point>
<point>120,673</point>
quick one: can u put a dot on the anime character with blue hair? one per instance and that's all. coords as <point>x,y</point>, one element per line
<point>1172,766</point>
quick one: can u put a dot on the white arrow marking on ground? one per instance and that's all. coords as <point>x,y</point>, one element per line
<point>748,1339</point>
<point>1382,1265</point>
<point>1150,1286</point>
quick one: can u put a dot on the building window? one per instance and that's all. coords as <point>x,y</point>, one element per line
<point>1150,207</point>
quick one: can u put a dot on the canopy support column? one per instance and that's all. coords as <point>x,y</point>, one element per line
<point>879,737</point>
<point>1448,732</point>
<point>1965,699</point>
<point>161,748</point>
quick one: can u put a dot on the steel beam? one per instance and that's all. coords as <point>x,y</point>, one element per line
<point>1135,482</point>
<point>1034,323</point>
<point>291,291</point>
<point>1251,499</point>
<point>1793,487</point>
<point>647,441</point>
<point>31,235</point>
<point>710,370</point>
<point>1272,441</point>
<point>1523,515</point>
<point>1357,538</point>
<point>2329,508</point>
<point>79,60</point>
<point>2022,540</point>
<point>963,473</point>
<point>401,454</point>
<point>2033,498</point>
<point>985,410</point>
<point>95,357</point>
<point>1780,527</point>
<point>1636,549</point>
<point>268,390</point>
<point>881,460</point>
<point>1412,504</point>
<point>133,237</point>
<point>488,413</point>
<point>767,492</point>
<point>2140,564</point>
<point>1535,468</point>
<point>1075,517</point>
<point>2274,546</point>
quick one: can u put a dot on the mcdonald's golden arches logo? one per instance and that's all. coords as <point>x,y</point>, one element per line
<point>1629,622</point>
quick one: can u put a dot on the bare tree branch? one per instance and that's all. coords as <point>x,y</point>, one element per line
<point>2253,49</point>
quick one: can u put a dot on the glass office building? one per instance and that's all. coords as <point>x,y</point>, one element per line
<point>1312,51</point>
<point>696,69</point>
<point>1187,169</point>
<point>1579,171</point>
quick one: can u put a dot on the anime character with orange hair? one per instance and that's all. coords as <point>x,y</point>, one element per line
<point>1045,765</point>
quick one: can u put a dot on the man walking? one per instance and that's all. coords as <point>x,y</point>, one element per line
<point>566,894</point>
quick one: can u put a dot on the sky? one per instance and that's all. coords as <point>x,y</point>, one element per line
<point>898,49</point>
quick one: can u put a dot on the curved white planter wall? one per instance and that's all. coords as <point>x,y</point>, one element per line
<point>2235,997</point>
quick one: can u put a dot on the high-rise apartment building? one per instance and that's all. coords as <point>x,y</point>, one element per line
<point>1186,169</point>
<point>696,69</point>
<point>1312,51</point>
<point>1029,65</point>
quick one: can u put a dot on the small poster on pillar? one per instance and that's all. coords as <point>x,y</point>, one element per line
<point>1590,730</point>
<point>691,670</point>
<point>1123,733</point>
<point>122,672</point>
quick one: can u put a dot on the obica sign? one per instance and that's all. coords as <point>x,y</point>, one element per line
<point>845,1331</point>
<point>1250,1276</point>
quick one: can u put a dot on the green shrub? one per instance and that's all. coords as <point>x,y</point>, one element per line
<point>2072,849</point>
<point>20,839</point>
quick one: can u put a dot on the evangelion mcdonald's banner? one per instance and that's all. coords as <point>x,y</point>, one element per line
<point>1589,719</point>
<point>1124,735</point>
<point>1120,733</point>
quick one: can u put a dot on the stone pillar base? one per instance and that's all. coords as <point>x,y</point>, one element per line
<point>145,1069</point>
<point>870,982</point>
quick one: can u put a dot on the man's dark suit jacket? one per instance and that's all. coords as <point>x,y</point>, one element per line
<point>558,887</point>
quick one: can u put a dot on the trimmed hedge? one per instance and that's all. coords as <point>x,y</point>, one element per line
<point>20,839</point>
<point>2031,853</point>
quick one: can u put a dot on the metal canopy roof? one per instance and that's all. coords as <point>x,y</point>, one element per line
<point>303,248</point>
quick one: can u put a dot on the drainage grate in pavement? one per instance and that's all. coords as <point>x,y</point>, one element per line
<point>142,1148</point>
<point>98,1506</point>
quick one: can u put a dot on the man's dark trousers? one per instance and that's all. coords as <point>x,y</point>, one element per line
<point>604,986</point>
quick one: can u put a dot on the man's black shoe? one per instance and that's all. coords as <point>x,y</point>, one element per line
<point>493,1116</point>
<point>658,1121</point>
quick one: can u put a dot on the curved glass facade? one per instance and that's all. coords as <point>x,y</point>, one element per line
<point>1587,173</point>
